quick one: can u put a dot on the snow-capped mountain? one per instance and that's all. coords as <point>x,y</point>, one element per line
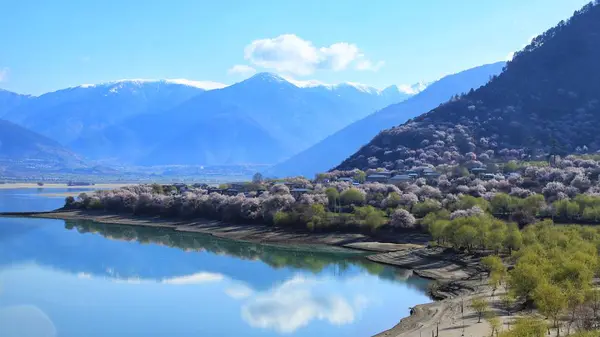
<point>66,114</point>
<point>114,85</point>
<point>393,89</point>
<point>262,119</point>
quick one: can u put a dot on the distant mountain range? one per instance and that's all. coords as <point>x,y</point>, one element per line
<point>545,102</point>
<point>338,146</point>
<point>261,120</point>
<point>24,150</point>
<point>10,100</point>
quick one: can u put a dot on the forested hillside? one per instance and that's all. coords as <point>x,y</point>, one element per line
<point>338,146</point>
<point>547,100</point>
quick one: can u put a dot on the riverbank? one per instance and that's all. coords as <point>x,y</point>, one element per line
<point>457,274</point>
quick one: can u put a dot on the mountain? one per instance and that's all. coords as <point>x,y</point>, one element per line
<point>263,119</point>
<point>546,101</point>
<point>68,114</point>
<point>23,150</point>
<point>10,100</point>
<point>335,148</point>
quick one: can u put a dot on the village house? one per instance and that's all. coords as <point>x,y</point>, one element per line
<point>378,178</point>
<point>298,192</point>
<point>400,179</point>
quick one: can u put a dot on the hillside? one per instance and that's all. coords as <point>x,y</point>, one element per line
<point>335,148</point>
<point>546,100</point>
<point>23,150</point>
<point>263,119</point>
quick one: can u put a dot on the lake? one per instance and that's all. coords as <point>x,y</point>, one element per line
<point>81,278</point>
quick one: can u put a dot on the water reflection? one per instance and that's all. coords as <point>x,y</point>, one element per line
<point>34,199</point>
<point>159,282</point>
<point>298,301</point>
<point>314,259</point>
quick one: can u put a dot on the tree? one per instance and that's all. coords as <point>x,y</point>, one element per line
<point>437,230</point>
<point>575,296</point>
<point>493,263</point>
<point>316,217</point>
<point>480,306</point>
<point>333,196</point>
<point>533,203</point>
<point>352,196</point>
<point>360,176</point>
<point>527,327</point>
<point>401,218</point>
<point>69,201</point>
<point>425,207</point>
<point>494,281</point>
<point>466,237</point>
<point>524,279</point>
<point>507,300</point>
<point>494,322</point>
<point>550,301</point>
<point>592,299</point>
<point>501,203</point>
<point>514,239</point>
<point>372,217</point>
<point>511,166</point>
<point>257,178</point>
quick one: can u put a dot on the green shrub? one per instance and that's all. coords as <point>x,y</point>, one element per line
<point>425,207</point>
<point>352,196</point>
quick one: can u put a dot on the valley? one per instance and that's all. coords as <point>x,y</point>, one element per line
<point>307,208</point>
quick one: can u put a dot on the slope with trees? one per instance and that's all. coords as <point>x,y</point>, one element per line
<point>545,102</point>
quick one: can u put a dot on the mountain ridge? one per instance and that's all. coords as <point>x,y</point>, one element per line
<point>22,150</point>
<point>275,109</point>
<point>333,149</point>
<point>544,102</point>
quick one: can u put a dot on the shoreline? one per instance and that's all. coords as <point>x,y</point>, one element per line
<point>454,273</point>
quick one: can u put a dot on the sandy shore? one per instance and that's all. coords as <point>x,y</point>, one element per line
<point>458,274</point>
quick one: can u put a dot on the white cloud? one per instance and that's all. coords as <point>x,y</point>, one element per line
<point>338,56</point>
<point>291,54</point>
<point>197,278</point>
<point>412,89</point>
<point>239,292</point>
<point>241,69</point>
<point>3,74</point>
<point>368,65</point>
<point>510,55</point>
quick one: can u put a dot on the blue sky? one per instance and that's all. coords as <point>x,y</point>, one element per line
<point>48,45</point>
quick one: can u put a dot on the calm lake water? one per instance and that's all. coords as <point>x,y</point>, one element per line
<point>80,278</point>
